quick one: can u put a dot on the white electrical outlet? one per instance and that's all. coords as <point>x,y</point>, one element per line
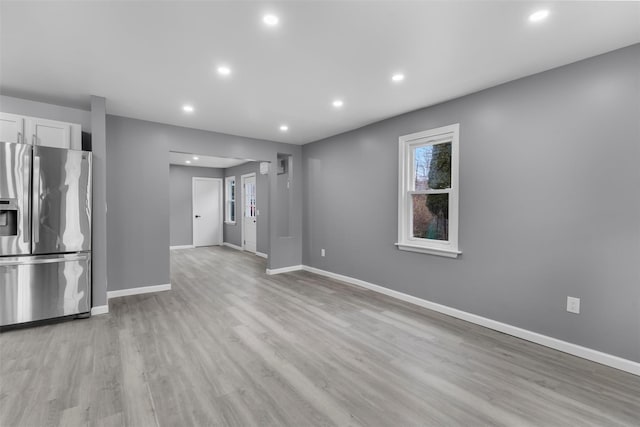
<point>321,252</point>
<point>573,305</point>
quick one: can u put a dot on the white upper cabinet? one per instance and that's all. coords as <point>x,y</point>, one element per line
<point>50,133</point>
<point>36,131</point>
<point>11,128</point>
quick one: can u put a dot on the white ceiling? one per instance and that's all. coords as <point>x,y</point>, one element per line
<point>150,58</point>
<point>198,160</point>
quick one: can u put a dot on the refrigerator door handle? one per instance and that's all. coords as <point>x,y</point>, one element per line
<point>25,211</point>
<point>49,260</point>
<point>36,199</point>
<point>20,138</point>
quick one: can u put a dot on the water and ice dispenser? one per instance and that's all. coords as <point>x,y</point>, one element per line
<point>8,217</point>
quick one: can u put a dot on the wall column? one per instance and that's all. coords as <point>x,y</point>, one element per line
<point>99,148</point>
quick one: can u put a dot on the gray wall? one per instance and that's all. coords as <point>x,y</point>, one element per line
<point>181,199</point>
<point>138,204</point>
<point>233,232</point>
<point>549,204</point>
<point>138,195</point>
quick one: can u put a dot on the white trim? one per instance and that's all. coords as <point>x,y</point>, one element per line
<point>242,199</point>
<point>231,245</point>
<point>227,199</point>
<point>236,247</point>
<point>220,206</point>
<point>181,247</point>
<point>444,134</point>
<point>430,251</point>
<point>284,269</point>
<point>100,309</point>
<point>554,343</point>
<point>137,291</point>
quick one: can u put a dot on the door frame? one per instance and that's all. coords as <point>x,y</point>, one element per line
<point>193,202</point>
<point>242,198</point>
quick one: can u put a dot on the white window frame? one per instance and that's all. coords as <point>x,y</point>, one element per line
<point>228,200</point>
<point>407,143</point>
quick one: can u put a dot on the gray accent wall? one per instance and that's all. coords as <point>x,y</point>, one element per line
<point>233,232</point>
<point>549,204</point>
<point>138,219</point>
<point>181,198</point>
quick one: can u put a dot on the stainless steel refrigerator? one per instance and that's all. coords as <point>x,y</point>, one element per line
<point>45,233</point>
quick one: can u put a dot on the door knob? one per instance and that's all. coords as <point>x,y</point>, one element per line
<point>197,216</point>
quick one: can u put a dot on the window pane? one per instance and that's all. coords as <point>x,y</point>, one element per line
<point>232,210</point>
<point>430,216</point>
<point>432,166</point>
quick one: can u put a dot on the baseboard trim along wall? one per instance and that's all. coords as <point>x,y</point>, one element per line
<point>236,247</point>
<point>231,245</point>
<point>284,269</point>
<point>181,247</point>
<point>137,291</point>
<point>99,309</point>
<point>566,347</point>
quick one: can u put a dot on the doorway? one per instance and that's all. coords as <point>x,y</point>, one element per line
<point>249,212</point>
<point>207,211</point>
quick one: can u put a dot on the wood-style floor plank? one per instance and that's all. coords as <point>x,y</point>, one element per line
<point>231,346</point>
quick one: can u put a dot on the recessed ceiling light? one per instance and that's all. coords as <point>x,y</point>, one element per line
<point>224,70</point>
<point>187,108</point>
<point>187,161</point>
<point>539,15</point>
<point>338,103</point>
<point>284,128</point>
<point>195,157</point>
<point>397,77</point>
<point>270,19</point>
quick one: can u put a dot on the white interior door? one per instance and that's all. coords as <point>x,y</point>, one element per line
<point>249,213</point>
<point>207,211</point>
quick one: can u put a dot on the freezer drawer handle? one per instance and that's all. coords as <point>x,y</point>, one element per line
<point>15,261</point>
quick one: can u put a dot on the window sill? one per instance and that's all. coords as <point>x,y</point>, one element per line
<point>430,251</point>
<point>230,222</point>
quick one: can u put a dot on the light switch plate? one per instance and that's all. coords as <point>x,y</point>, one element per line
<point>573,305</point>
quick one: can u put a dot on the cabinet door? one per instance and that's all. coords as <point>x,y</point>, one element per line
<point>11,128</point>
<point>49,133</point>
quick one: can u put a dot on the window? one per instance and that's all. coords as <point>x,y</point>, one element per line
<point>230,199</point>
<point>428,192</point>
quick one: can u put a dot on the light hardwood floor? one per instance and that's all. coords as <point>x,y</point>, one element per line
<point>232,346</point>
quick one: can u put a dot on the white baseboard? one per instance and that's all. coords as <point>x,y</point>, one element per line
<point>181,247</point>
<point>566,347</point>
<point>239,248</point>
<point>137,291</point>
<point>231,245</point>
<point>284,269</point>
<point>99,309</point>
